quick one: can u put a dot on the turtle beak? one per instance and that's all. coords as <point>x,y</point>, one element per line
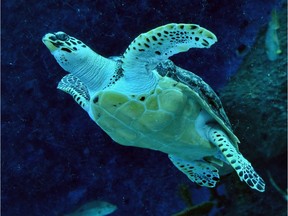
<point>50,41</point>
<point>53,41</point>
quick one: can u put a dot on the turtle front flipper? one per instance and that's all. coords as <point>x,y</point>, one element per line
<point>149,48</point>
<point>73,86</point>
<point>200,172</point>
<point>242,166</point>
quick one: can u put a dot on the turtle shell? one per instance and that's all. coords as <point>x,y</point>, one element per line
<point>207,97</point>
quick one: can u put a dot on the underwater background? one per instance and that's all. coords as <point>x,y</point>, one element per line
<point>54,158</point>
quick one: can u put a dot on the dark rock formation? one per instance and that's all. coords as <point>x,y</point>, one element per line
<point>256,102</point>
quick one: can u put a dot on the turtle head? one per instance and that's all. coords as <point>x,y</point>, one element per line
<point>69,52</point>
<point>93,70</point>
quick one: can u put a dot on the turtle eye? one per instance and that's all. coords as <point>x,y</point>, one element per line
<point>53,38</point>
<point>62,36</point>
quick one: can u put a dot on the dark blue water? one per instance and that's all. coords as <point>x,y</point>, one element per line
<point>54,158</point>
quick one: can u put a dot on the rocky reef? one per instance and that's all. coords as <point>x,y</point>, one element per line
<point>256,102</point>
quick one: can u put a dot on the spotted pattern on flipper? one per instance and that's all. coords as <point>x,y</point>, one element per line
<point>241,165</point>
<point>149,48</point>
<point>73,86</point>
<point>200,172</point>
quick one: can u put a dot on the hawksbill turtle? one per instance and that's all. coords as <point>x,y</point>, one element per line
<point>142,99</point>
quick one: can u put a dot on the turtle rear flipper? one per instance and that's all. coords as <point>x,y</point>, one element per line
<point>200,172</point>
<point>242,166</point>
<point>73,86</point>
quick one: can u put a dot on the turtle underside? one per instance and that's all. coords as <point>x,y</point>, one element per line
<point>162,120</point>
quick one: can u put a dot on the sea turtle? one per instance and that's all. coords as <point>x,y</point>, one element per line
<point>140,101</point>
